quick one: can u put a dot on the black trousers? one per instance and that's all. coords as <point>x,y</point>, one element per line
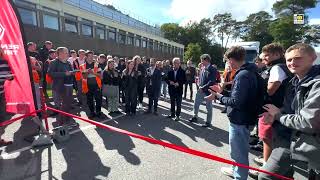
<point>191,89</point>
<point>176,101</point>
<point>94,94</point>
<point>131,100</point>
<point>140,92</point>
<point>153,101</point>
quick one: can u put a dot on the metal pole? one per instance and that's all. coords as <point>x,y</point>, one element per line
<point>44,108</point>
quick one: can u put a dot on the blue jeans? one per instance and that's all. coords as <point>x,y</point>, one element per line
<point>199,99</point>
<point>164,88</point>
<point>239,149</point>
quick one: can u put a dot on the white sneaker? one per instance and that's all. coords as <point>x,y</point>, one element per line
<point>259,161</point>
<point>227,171</point>
<point>253,173</point>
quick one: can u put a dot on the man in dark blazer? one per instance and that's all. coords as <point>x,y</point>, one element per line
<point>176,79</point>
<point>153,86</point>
<point>207,78</point>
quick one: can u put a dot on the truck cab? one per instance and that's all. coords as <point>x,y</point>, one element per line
<point>252,49</point>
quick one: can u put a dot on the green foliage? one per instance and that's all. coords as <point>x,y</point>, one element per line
<point>193,53</point>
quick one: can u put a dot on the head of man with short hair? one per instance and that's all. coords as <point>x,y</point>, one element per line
<point>153,62</point>
<point>176,63</point>
<point>109,57</point>
<point>82,54</point>
<point>102,58</point>
<point>300,58</point>
<point>31,46</point>
<point>235,56</point>
<point>205,59</point>
<point>48,45</point>
<point>62,53</point>
<point>272,52</point>
<point>159,65</point>
<point>258,62</point>
<point>89,56</point>
<point>168,62</point>
<point>73,54</point>
<point>52,54</point>
<point>144,59</point>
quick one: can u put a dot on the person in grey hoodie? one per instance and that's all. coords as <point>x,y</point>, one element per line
<point>305,119</point>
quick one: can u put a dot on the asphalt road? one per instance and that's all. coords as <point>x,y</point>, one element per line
<point>95,153</point>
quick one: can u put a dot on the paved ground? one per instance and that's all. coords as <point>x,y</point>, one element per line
<point>94,153</point>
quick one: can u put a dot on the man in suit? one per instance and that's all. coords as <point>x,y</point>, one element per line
<point>153,86</point>
<point>207,78</point>
<point>176,80</point>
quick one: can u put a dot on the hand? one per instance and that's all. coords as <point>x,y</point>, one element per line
<point>212,96</point>
<point>68,73</point>
<point>90,71</point>
<point>272,109</point>
<point>171,83</point>
<point>217,88</point>
<point>267,118</point>
<point>176,84</point>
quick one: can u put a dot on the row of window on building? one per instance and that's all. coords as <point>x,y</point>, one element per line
<point>51,20</point>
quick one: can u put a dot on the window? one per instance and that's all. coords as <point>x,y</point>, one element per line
<point>86,30</point>
<point>138,41</point>
<point>144,43</point>
<point>100,31</point>
<point>112,34</point>
<point>70,23</point>
<point>160,48</point>
<point>70,26</point>
<point>122,38</point>
<point>155,47</point>
<point>130,40</point>
<point>51,22</point>
<point>150,44</point>
<point>28,16</point>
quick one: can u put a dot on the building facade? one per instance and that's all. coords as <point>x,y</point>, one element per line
<point>86,24</point>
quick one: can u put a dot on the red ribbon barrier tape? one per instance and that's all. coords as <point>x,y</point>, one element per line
<point>7,122</point>
<point>169,145</point>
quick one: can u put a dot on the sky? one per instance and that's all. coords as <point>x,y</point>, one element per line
<point>184,11</point>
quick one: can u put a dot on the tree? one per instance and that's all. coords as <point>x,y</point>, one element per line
<point>256,28</point>
<point>223,25</point>
<point>193,53</point>
<point>282,29</point>
<point>173,32</point>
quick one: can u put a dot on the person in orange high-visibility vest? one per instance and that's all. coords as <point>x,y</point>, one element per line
<point>76,66</point>
<point>91,84</point>
<point>48,78</point>
<point>36,67</point>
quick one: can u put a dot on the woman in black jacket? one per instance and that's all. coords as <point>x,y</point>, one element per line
<point>130,84</point>
<point>111,82</point>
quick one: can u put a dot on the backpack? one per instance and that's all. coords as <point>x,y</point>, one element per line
<point>261,96</point>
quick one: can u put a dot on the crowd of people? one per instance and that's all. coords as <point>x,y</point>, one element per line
<point>121,81</point>
<point>278,95</point>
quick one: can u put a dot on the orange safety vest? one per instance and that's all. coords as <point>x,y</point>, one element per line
<point>77,74</point>
<point>36,77</point>
<point>85,88</point>
<point>49,79</point>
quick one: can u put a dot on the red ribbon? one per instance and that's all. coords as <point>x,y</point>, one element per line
<point>169,145</point>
